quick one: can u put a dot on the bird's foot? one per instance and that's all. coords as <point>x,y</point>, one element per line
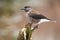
<point>36,26</point>
<point>30,24</point>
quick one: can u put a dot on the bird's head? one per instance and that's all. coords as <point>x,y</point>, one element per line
<point>26,8</point>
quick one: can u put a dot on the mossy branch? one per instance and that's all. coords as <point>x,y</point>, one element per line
<point>28,32</point>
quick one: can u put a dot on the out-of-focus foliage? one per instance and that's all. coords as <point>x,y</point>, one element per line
<point>8,7</point>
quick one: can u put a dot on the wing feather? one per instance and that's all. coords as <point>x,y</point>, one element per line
<point>36,16</point>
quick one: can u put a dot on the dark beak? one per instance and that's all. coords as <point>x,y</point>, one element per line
<point>22,9</point>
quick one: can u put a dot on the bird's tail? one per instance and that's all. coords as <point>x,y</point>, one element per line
<point>52,20</point>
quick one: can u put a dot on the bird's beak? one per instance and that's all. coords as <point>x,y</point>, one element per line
<point>22,9</point>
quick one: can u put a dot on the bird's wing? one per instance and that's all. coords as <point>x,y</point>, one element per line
<point>36,16</point>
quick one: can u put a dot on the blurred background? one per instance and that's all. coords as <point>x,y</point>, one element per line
<point>12,19</point>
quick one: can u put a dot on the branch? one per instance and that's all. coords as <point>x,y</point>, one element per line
<point>26,32</point>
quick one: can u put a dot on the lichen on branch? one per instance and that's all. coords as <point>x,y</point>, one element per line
<point>28,32</point>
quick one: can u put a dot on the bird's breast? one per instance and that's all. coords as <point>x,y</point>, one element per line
<point>28,18</point>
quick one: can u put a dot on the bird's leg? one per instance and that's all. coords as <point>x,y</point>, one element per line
<point>35,27</point>
<point>30,24</point>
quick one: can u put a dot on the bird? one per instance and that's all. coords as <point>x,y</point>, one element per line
<point>34,16</point>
